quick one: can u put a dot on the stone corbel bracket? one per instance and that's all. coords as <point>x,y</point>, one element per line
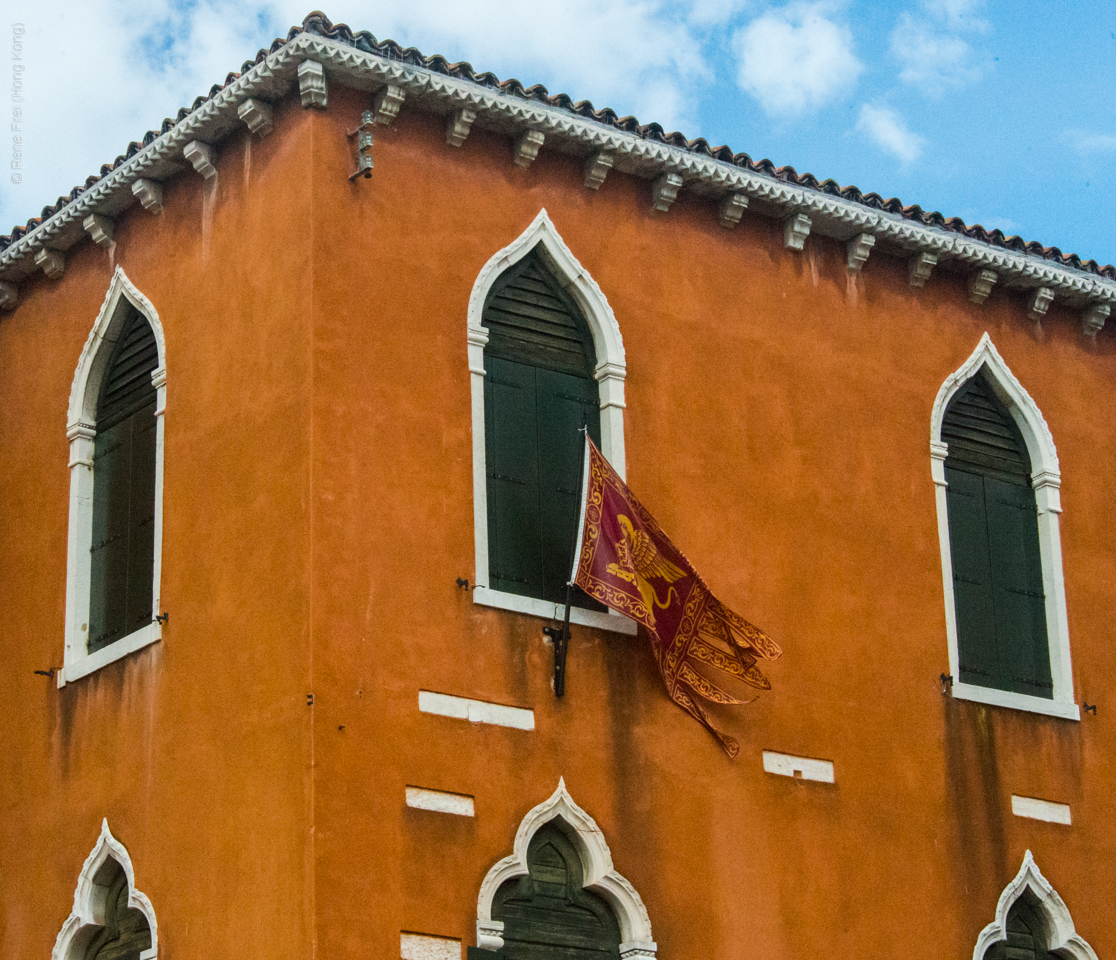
<point>527,147</point>
<point>303,64</point>
<point>386,103</point>
<point>858,249</point>
<point>312,84</point>
<point>1093,318</point>
<point>9,295</point>
<point>52,262</point>
<point>258,115</point>
<point>795,231</point>
<point>664,191</point>
<point>99,229</point>
<point>919,268</point>
<point>600,876</point>
<point>150,194</point>
<point>731,209</point>
<point>200,156</point>
<point>458,125</point>
<point>1039,302</point>
<point>596,169</point>
<point>980,285</point>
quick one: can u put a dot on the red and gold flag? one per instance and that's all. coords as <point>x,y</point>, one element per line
<point>626,562</point>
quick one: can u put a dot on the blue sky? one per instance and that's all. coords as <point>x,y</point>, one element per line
<point>999,113</point>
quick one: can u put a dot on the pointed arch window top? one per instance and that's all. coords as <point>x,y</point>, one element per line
<point>110,917</point>
<point>986,361</point>
<point>1030,907</point>
<point>598,876</point>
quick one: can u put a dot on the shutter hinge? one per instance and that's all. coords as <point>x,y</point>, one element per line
<point>163,618</point>
<point>1086,705</point>
<point>947,683</point>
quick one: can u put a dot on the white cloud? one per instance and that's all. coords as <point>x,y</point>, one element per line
<point>101,73</point>
<point>887,129</point>
<point>796,59</point>
<point>711,13</point>
<point>957,14</point>
<point>935,57</point>
<point>1087,141</point>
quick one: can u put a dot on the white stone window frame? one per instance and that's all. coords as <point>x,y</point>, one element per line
<point>1046,481</point>
<point>599,875</point>
<point>81,429</point>
<point>609,373</point>
<point>88,914</point>
<point>1062,939</point>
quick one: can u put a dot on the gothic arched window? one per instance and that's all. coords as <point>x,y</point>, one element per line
<point>538,392</point>
<point>993,537</point>
<point>123,548</point>
<point>998,495</point>
<point>115,428</point>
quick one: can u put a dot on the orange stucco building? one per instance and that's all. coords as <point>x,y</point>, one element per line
<point>328,745</point>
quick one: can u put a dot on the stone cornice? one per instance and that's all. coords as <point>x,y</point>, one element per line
<point>276,75</point>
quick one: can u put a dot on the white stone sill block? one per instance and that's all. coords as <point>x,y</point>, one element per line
<point>801,768</point>
<point>423,946</point>
<point>93,662</point>
<point>1035,809</point>
<point>613,622</point>
<point>439,801</point>
<point>1016,701</point>
<point>476,711</point>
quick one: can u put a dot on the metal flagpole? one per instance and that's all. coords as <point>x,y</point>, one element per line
<point>561,637</point>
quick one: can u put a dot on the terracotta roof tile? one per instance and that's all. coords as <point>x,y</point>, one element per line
<point>317,23</point>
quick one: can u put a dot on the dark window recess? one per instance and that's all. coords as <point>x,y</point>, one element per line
<point>993,538</point>
<point>1025,940</point>
<point>538,392</point>
<point>125,934</point>
<point>547,914</point>
<point>123,545</point>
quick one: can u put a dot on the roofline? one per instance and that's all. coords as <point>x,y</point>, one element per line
<point>276,74</point>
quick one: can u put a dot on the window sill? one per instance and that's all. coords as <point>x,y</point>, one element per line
<point>1015,701</point>
<point>613,622</point>
<point>93,662</point>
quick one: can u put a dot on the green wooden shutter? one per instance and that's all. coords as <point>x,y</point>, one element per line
<point>512,464</point>
<point>993,533</point>
<point>108,589</point>
<point>539,391</point>
<point>972,579</point>
<point>531,319</point>
<point>123,542</point>
<point>125,934</point>
<point>565,404</point>
<point>1025,939</point>
<point>1019,596</point>
<point>547,914</point>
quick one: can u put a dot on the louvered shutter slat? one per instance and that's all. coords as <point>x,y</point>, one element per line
<point>141,517</point>
<point>535,332</point>
<point>972,580</point>
<point>1018,590</point>
<point>565,404</point>
<point>512,463</point>
<point>123,544</point>
<point>993,526</point>
<point>112,454</point>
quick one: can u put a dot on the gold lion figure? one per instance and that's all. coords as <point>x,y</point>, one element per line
<point>641,562</point>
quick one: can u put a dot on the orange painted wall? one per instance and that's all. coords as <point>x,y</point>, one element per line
<point>195,749</point>
<point>318,508</point>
